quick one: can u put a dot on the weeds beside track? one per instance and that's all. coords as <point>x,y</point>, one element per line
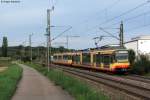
<point>132,87</point>
<point>77,88</point>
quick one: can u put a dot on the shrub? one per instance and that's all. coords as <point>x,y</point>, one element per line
<point>142,65</point>
<point>131,57</point>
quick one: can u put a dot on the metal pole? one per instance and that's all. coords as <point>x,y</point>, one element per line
<point>48,39</point>
<point>38,53</point>
<point>67,38</point>
<point>121,35</point>
<point>23,50</point>
<point>30,43</point>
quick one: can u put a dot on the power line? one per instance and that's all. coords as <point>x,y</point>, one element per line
<point>112,5</point>
<point>103,10</point>
<point>54,2</point>
<point>109,33</point>
<point>131,18</point>
<point>127,12</point>
<point>138,27</point>
<point>61,34</point>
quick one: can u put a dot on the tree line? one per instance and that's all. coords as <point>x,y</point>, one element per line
<point>139,65</point>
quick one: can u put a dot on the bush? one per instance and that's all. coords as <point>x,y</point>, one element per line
<point>131,57</point>
<point>141,66</point>
<point>26,59</point>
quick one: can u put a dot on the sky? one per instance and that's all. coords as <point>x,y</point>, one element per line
<point>18,20</point>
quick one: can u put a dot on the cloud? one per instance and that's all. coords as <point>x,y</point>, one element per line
<point>18,21</point>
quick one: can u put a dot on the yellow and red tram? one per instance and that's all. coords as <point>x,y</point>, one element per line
<point>112,60</point>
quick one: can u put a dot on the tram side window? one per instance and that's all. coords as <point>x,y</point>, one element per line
<point>59,57</point>
<point>69,57</point>
<point>65,57</point>
<point>55,57</point>
<point>113,58</point>
<point>94,58</point>
<point>98,58</point>
<point>106,59</point>
<point>76,58</point>
<point>86,58</point>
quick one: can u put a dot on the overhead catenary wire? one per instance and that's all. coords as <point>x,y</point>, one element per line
<point>109,33</point>
<point>52,3</point>
<point>127,12</point>
<point>108,7</point>
<point>103,10</point>
<point>61,34</point>
<point>138,27</point>
<point>124,13</point>
<point>131,18</point>
<point>116,17</point>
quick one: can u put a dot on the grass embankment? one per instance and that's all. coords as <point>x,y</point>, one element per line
<point>78,89</point>
<point>8,81</point>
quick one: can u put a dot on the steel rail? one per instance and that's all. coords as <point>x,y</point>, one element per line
<point>138,91</point>
<point>138,78</point>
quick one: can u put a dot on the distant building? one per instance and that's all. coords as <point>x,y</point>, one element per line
<point>141,45</point>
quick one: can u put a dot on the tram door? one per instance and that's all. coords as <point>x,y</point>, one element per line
<point>86,59</point>
<point>97,60</point>
<point>106,61</point>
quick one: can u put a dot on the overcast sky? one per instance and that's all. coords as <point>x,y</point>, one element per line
<point>17,21</point>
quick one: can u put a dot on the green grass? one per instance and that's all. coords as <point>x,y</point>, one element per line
<point>8,81</point>
<point>78,89</point>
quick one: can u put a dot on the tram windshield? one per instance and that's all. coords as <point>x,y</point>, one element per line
<point>122,56</point>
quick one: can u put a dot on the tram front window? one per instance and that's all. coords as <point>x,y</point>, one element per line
<point>122,57</point>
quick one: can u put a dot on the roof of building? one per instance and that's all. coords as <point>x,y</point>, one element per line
<point>144,37</point>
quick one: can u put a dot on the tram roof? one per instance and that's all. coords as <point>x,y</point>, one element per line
<point>103,48</point>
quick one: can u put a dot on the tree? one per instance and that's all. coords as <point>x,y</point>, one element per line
<point>4,47</point>
<point>19,52</point>
<point>142,65</point>
<point>131,57</point>
<point>61,49</point>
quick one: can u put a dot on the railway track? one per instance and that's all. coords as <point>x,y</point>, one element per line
<point>138,78</point>
<point>135,87</point>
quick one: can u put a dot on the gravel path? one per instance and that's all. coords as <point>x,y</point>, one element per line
<point>34,86</point>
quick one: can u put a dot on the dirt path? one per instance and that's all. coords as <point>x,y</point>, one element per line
<point>34,86</point>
